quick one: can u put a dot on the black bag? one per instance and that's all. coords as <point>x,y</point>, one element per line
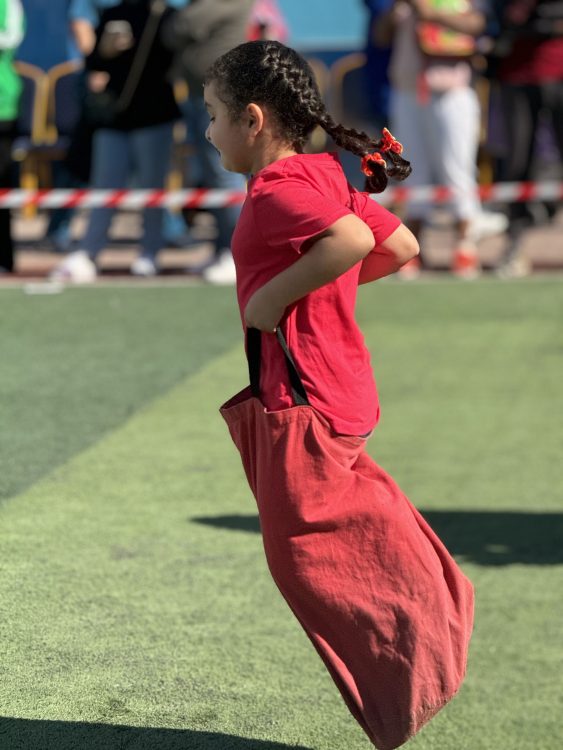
<point>100,108</point>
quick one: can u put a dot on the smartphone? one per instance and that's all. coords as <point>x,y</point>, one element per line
<point>118,29</point>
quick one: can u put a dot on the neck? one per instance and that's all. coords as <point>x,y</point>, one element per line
<point>272,153</point>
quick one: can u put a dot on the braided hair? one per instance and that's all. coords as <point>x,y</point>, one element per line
<point>271,74</point>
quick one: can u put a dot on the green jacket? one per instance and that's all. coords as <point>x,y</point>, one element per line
<point>11,35</point>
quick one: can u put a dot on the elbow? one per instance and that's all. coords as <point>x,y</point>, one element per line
<point>479,24</point>
<point>413,249</point>
<point>365,241</point>
<point>408,249</point>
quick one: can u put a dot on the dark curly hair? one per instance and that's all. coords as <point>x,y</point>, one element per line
<point>271,74</point>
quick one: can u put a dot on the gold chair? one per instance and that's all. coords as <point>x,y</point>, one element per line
<point>32,122</point>
<point>347,90</point>
<point>63,104</point>
<point>484,159</point>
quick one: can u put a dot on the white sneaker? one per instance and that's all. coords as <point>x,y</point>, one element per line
<point>143,266</point>
<point>76,268</point>
<point>222,271</point>
<point>515,268</point>
<point>488,224</point>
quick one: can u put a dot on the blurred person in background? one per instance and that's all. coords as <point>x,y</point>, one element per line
<point>435,109</point>
<point>11,35</point>
<point>378,55</point>
<point>267,22</point>
<point>130,103</point>
<point>528,67</point>
<point>74,171</point>
<point>198,34</point>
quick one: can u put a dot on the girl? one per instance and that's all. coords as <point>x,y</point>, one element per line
<point>377,593</point>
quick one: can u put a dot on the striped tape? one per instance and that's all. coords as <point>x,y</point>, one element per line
<point>504,192</point>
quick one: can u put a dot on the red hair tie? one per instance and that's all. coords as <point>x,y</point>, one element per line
<point>376,157</point>
<point>388,143</point>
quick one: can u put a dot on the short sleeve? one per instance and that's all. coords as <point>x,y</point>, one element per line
<point>83,10</point>
<point>381,221</point>
<point>288,212</point>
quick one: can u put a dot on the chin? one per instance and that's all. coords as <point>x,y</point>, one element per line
<point>232,167</point>
<point>226,164</point>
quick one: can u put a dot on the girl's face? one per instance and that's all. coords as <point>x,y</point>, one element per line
<point>230,137</point>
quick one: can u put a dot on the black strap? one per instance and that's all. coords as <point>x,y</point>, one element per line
<point>254,354</point>
<point>141,57</point>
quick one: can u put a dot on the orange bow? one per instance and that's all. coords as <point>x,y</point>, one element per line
<point>376,157</point>
<point>388,143</point>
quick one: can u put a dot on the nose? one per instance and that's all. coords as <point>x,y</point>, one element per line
<point>207,134</point>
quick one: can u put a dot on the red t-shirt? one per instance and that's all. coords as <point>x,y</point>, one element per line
<point>289,202</point>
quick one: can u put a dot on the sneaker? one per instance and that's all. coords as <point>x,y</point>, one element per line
<point>411,269</point>
<point>143,266</point>
<point>222,271</point>
<point>465,262</point>
<point>488,224</point>
<point>76,268</point>
<point>197,269</point>
<point>514,268</point>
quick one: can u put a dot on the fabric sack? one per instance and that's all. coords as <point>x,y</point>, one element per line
<point>385,605</point>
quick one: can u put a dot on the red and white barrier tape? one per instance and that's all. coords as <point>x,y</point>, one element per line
<point>504,192</point>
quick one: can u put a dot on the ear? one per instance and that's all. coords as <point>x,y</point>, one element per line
<point>255,118</point>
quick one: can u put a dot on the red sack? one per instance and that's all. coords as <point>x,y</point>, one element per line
<point>381,599</point>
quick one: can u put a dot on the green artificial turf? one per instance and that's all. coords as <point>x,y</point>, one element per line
<point>76,365</point>
<point>137,611</point>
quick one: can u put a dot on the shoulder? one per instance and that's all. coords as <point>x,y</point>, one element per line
<point>302,172</point>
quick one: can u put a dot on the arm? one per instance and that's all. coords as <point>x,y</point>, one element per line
<point>385,23</point>
<point>331,254</point>
<point>84,35</point>
<point>400,247</point>
<point>471,22</point>
<point>83,18</point>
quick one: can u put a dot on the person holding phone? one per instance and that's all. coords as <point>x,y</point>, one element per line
<point>129,66</point>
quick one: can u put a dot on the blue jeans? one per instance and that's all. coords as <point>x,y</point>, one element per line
<point>210,173</point>
<point>118,156</point>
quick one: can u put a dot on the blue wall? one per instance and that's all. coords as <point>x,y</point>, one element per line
<point>313,24</point>
<point>325,23</point>
<point>47,41</point>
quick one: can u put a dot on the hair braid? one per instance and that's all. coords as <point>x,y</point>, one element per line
<point>268,73</point>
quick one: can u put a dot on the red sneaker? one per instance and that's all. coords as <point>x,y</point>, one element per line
<point>465,262</point>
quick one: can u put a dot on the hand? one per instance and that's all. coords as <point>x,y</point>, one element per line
<point>262,312</point>
<point>97,81</point>
<point>422,9</point>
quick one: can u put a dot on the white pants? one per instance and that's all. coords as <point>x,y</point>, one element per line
<point>440,139</point>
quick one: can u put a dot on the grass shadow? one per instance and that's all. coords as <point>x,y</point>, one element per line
<point>34,734</point>
<point>490,538</point>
